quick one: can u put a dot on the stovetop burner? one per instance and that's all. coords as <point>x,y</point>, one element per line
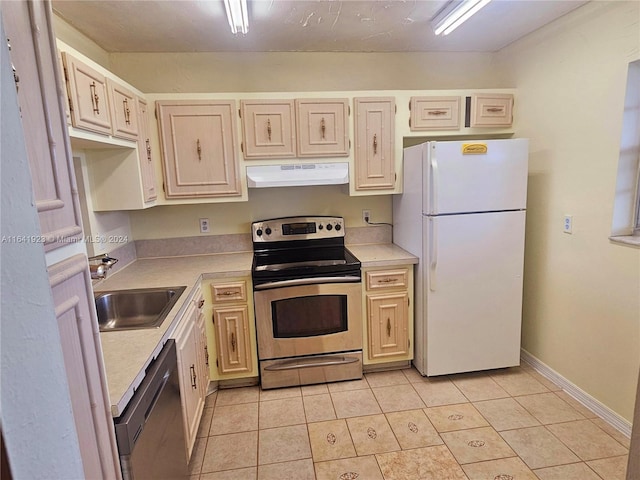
<point>301,247</point>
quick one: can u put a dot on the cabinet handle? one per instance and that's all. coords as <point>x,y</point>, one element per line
<point>194,385</point>
<point>437,112</point>
<point>199,150</point>
<point>228,293</point>
<point>201,303</point>
<point>148,149</point>
<point>95,99</point>
<point>388,327</point>
<point>388,280</point>
<point>269,128</point>
<point>206,355</point>
<point>375,143</point>
<point>495,109</point>
<point>233,342</point>
<point>322,127</point>
<point>127,112</point>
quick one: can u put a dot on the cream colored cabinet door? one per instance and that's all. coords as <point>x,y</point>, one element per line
<point>202,350</point>
<point>190,391</point>
<point>322,127</point>
<point>374,137</point>
<point>124,111</point>
<point>145,156</point>
<point>79,336</point>
<point>491,110</point>
<point>38,82</point>
<point>198,140</point>
<point>389,321</point>
<point>268,128</point>
<point>88,97</point>
<point>388,324</point>
<point>232,336</point>
<point>434,113</point>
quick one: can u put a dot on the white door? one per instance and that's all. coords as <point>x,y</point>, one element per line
<point>473,268</point>
<point>458,182</point>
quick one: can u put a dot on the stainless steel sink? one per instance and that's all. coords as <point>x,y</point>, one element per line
<point>135,309</point>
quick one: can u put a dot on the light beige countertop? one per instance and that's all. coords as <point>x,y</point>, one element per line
<point>382,255</point>
<point>127,353</point>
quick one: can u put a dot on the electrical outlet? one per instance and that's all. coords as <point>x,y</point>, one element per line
<point>567,226</point>
<point>366,216</point>
<point>204,225</point>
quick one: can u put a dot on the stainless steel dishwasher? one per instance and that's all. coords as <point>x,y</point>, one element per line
<point>150,432</point>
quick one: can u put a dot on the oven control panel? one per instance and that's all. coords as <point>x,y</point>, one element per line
<point>297,228</point>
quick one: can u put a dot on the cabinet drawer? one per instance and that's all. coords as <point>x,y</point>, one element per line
<point>434,113</point>
<point>387,279</point>
<point>229,292</point>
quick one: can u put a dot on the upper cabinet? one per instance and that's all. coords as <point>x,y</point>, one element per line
<point>323,127</point>
<point>38,83</point>
<point>124,111</point>
<point>198,141</point>
<point>434,113</point>
<point>88,97</point>
<point>268,128</point>
<point>374,143</point>
<point>491,110</point>
<point>145,156</point>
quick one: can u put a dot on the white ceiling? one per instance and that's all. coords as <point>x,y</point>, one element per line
<point>303,25</point>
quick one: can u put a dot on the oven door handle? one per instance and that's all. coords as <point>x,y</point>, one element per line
<point>307,281</point>
<point>324,361</point>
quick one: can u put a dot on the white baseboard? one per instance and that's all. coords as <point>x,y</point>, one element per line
<point>597,407</point>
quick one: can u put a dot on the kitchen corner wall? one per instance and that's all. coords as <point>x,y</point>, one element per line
<point>582,292</point>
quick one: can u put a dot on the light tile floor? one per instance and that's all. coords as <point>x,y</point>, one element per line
<point>510,424</point>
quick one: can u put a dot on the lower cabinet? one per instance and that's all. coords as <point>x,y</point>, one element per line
<point>388,296</point>
<point>231,330</point>
<point>194,374</point>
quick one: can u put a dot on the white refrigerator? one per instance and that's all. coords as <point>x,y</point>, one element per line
<point>462,213</point>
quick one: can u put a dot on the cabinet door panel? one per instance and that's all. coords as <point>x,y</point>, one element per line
<point>374,138</point>
<point>192,402</point>
<point>491,110</point>
<point>71,288</point>
<point>89,97</point>
<point>388,324</point>
<point>232,335</point>
<point>145,156</point>
<point>435,113</point>
<point>40,97</point>
<point>322,127</point>
<point>199,152</point>
<point>268,128</point>
<point>124,111</point>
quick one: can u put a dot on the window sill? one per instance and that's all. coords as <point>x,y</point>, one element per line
<point>628,240</point>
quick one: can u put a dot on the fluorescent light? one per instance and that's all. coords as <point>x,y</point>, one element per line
<point>237,15</point>
<point>455,14</point>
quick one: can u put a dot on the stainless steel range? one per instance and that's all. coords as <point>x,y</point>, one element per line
<point>308,302</point>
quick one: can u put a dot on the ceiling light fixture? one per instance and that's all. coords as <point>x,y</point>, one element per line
<point>455,14</point>
<point>237,15</point>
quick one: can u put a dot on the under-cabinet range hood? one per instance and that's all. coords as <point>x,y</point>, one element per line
<point>297,175</point>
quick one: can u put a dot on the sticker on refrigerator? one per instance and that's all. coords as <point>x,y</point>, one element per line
<point>474,148</point>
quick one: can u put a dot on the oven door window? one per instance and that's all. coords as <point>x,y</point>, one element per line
<point>309,316</point>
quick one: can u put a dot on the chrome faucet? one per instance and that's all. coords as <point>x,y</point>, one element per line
<point>99,270</point>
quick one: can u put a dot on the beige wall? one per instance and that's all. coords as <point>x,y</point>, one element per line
<point>291,71</point>
<point>182,220</point>
<point>582,292</point>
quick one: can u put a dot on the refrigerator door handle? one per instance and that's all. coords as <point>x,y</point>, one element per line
<point>433,207</point>
<point>433,253</point>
